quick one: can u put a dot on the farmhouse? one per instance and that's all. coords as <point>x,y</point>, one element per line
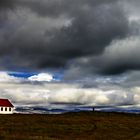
<point>6,107</point>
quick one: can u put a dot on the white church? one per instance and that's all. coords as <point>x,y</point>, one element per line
<point>6,107</point>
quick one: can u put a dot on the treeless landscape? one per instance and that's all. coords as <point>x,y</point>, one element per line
<point>74,126</point>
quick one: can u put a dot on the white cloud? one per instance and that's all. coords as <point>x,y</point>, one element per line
<point>55,94</point>
<point>66,94</point>
<point>4,77</point>
<point>41,77</point>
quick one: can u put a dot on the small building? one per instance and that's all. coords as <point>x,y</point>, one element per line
<point>6,107</point>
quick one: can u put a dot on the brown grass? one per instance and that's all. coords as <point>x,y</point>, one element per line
<point>70,126</point>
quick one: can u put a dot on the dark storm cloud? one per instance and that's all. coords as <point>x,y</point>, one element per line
<point>119,57</point>
<point>88,28</point>
<point>57,7</point>
<point>8,4</point>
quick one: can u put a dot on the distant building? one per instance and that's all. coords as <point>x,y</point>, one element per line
<point>6,107</point>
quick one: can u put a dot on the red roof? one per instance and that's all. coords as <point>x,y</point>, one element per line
<point>5,103</point>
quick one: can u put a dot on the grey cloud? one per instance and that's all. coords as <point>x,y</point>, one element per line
<point>87,28</point>
<point>7,4</point>
<point>131,79</point>
<point>77,35</point>
<point>120,56</point>
<point>69,7</point>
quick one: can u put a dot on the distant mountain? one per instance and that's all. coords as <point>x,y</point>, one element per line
<point>45,110</point>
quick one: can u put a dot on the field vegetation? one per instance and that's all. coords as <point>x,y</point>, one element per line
<point>70,126</point>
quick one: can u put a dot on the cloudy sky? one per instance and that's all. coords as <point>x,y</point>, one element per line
<point>59,53</point>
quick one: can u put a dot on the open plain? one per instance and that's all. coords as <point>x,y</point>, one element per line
<point>74,126</point>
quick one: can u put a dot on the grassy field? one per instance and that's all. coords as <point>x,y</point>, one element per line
<point>73,126</point>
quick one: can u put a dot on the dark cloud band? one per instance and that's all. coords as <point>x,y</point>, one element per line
<point>88,28</point>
